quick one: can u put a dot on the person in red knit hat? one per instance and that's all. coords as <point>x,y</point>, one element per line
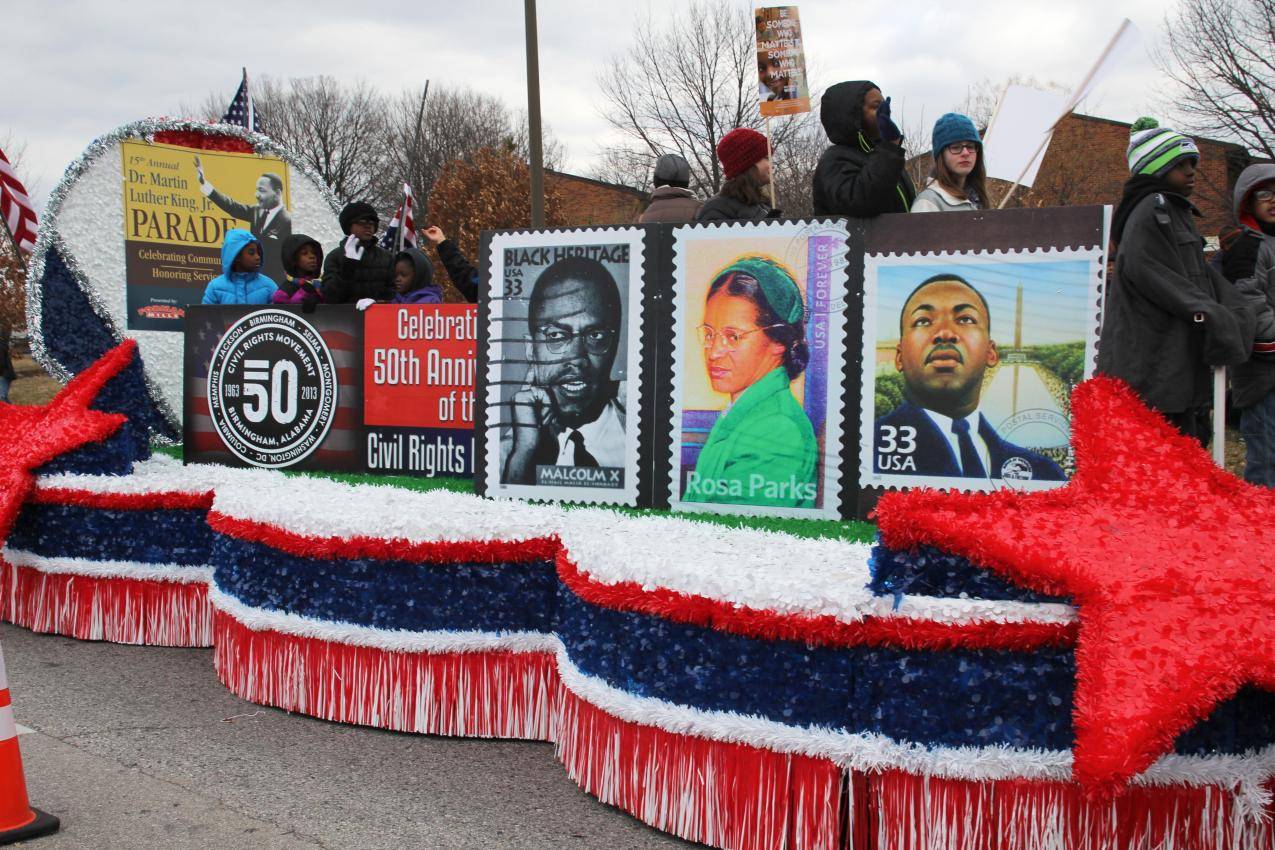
<point>743,155</point>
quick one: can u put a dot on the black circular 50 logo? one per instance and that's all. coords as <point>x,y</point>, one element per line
<point>272,388</point>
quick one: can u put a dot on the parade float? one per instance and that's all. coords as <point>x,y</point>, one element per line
<point>1017,660</point>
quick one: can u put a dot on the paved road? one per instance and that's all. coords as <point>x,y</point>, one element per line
<point>141,747</point>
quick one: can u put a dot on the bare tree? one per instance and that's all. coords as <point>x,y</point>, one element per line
<point>339,130</point>
<point>680,87</point>
<point>1221,54</point>
<point>365,145</point>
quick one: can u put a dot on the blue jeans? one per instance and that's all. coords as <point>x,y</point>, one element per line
<point>1257,424</point>
<point>4,389</point>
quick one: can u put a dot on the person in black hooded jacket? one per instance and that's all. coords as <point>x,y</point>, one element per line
<point>862,175</point>
<point>358,268</point>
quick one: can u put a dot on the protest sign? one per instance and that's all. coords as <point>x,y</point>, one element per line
<point>1016,139</point>
<point>782,86</point>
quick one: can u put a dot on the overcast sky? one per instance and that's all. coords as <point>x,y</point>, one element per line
<point>88,67</point>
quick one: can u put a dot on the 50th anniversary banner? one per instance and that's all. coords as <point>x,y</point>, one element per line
<point>173,229</point>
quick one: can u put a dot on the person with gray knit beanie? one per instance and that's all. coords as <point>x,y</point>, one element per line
<point>1169,317</point>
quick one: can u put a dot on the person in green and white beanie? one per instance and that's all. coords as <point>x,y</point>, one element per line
<point>1168,316</point>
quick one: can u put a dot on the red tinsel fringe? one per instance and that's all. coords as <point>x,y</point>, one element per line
<point>392,549</point>
<point>120,610</point>
<point>720,794</point>
<point>817,630</point>
<point>906,812</point>
<point>121,501</point>
<point>496,694</point>
<point>204,141</point>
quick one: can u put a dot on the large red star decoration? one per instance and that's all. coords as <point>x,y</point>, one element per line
<point>33,436</point>
<point>1169,560</point>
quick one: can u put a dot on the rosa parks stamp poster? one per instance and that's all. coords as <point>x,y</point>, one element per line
<point>758,351</point>
<point>178,204</point>
<point>563,365</point>
<point>969,359</point>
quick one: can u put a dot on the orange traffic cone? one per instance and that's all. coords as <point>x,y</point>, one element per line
<point>18,821</point>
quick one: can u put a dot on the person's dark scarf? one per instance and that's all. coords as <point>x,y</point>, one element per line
<point>1137,188</point>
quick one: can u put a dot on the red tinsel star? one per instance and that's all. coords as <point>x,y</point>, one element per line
<point>33,436</point>
<point>1169,560</point>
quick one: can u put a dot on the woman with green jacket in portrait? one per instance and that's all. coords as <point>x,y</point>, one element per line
<point>762,448</point>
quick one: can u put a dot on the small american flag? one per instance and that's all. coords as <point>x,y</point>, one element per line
<point>15,207</point>
<point>241,111</point>
<point>402,229</point>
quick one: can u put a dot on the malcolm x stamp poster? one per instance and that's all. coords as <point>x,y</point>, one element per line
<point>563,365</point>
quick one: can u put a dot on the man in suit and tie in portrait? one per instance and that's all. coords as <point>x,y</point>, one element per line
<point>945,349</point>
<point>569,412</point>
<point>268,220</point>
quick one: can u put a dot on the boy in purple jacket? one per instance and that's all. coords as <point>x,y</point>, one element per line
<point>414,279</point>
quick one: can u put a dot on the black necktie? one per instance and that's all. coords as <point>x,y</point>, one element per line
<point>971,465</point>
<point>582,456</point>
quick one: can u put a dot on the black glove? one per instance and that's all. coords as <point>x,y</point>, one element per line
<point>1240,259</point>
<point>887,129</point>
<point>308,303</point>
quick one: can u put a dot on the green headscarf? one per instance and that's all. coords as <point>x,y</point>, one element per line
<point>777,285</point>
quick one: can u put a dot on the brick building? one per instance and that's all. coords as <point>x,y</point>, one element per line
<point>587,201</point>
<point>1085,164</point>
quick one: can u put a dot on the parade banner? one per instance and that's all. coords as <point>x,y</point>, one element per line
<point>178,204</point>
<point>563,355</point>
<point>386,391</point>
<point>782,86</point>
<point>418,388</point>
<point>758,347</point>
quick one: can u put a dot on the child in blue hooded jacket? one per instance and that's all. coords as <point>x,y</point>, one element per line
<point>240,282</point>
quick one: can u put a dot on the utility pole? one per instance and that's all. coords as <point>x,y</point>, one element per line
<point>533,119</point>
<point>413,171</point>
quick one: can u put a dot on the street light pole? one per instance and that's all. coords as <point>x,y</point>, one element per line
<point>533,119</point>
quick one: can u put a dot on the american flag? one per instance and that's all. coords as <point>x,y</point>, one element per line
<point>15,207</point>
<point>241,111</point>
<point>402,229</point>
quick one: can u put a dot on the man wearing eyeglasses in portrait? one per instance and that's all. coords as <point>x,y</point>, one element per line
<point>568,412</point>
<point>945,349</point>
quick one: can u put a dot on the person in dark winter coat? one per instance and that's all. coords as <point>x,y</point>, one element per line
<point>1250,262</point>
<point>862,174</point>
<point>241,281</point>
<point>414,279</point>
<point>358,269</point>
<point>743,155</point>
<point>462,273</point>
<point>1168,316</point>
<point>301,258</point>
<point>672,201</point>
<point>7,374</point>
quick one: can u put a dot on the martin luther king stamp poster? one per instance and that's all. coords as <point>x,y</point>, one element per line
<point>563,368</point>
<point>969,359</point>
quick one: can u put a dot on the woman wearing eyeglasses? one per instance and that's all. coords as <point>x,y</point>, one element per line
<point>762,448</point>
<point>959,181</point>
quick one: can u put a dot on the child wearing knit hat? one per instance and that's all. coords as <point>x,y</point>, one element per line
<point>746,165</point>
<point>1169,316</point>
<point>959,181</point>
